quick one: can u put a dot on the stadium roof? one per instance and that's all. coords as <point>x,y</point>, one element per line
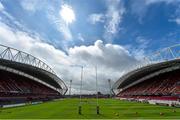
<point>159,62</point>
<point>13,60</point>
<point>145,73</point>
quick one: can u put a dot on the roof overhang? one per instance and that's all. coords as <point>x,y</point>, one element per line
<point>47,78</point>
<point>146,72</point>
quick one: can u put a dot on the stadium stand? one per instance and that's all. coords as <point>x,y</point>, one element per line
<point>163,85</point>
<point>25,78</point>
<point>155,82</point>
<point>11,83</point>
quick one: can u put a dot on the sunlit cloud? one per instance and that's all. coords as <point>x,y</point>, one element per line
<point>98,53</point>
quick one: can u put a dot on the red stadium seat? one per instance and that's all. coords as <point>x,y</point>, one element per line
<point>163,87</point>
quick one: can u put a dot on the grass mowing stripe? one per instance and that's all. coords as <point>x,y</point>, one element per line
<point>109,109</point>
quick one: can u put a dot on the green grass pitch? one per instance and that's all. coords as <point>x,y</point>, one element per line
<point>109,109</point>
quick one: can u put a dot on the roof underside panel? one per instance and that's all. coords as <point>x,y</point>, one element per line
<point>135,75</point>
<point>34,71</point>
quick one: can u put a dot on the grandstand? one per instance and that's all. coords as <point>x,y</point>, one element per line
<point>156,81</point>
<point>25,78</point>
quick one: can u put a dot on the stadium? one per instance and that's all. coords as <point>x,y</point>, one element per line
<point>25,78</point>
<point>150,90</point>
<point>90,59</point>
<point>155,82</point>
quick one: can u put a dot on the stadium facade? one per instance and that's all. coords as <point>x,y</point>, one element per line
<point>156,81</point>
<point>26,78</point>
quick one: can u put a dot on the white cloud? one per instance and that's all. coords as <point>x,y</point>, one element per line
<point>52,13</point>
<point>112,18</point>
<point>94,18</point>
<point>1,7</point>
<point>56,20</point>
<point>139,50</point>
<point>140,7</point>
<point>176,17</point>
<point>65,30</point>
<point>176,20</point>
<point>112,60</point>
<point>158,1</point>
<point>142,41</point>
<point>32,5</point>
<point>107,55</point>
<point>80,37</point>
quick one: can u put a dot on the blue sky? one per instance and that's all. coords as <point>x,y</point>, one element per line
<point>154,21</point>
<point>104,32</point>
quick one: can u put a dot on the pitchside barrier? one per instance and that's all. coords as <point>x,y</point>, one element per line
<point>20,104</point>
<point>156,102</point>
